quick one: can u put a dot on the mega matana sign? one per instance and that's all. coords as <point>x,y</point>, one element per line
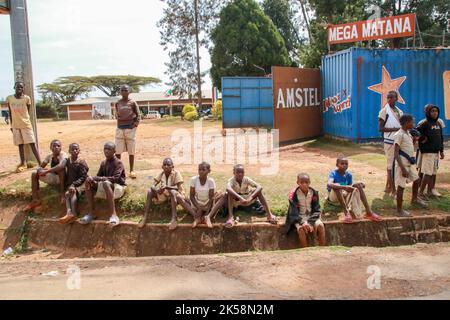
<point>383,28</point>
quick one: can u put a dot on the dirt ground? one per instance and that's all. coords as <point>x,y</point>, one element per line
<point>414,272</point>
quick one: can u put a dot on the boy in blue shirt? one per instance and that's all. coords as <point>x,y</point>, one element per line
<point>342,191</point>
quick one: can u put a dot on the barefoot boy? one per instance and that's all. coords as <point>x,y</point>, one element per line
<point>404,170</point>
<point>304,211</point>
<point>167,186</point>
<point>128,117</point>
<point>243,192</point>
<point>342,191</point>
<point>50,178</point>
<point>109,184</point>
<point>21,128</point>
<point>205,201</point>
<point>431,147</point>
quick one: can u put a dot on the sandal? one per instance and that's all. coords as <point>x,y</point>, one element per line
<point>373,217</point>
<point>229,224</point>
<point>133,175</point>
<point>114,221</point>
<point>87,219</point>
<point>21,168</point>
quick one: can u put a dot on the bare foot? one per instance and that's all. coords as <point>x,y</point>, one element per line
<point>173,225</point>
<point>208,222</point>
<point>141,224</point>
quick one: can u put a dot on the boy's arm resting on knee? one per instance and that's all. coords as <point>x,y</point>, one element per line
<point>257,190</point>
<point>232,192</point>
<point>58,168</point>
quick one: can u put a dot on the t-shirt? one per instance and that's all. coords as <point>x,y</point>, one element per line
<point>76,172</point>
<point>202,191</point>
<point>126,114</point>
<point>172,180</point>
<point>54,162</point>
<point>382,114</point>
<point>343,180</point>
<point>245,187</point>
<point>304,201</point>
<point>113,170</point>
<point>405,142</point>
<point>19,111</point>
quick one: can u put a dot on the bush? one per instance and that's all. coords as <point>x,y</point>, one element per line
<point>191,116</point>
<point>45,110</point>
<point>167,116</point>
<point>188,108</point>
<point>217,110</point>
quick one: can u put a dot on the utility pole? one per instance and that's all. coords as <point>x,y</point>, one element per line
<point>197,44</point>
<point>22,58</point>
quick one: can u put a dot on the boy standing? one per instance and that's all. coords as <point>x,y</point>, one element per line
<point>21,128</point>
<point>404,170</point>
<point>343,191</point>
<point>388,124</point>
<point>167,186</point>
<point>50,178</point>
<point>243,192</point>
<point>128,117</point>
<point>304,211</point>
<point>109,184</point>
<point>431,147</point>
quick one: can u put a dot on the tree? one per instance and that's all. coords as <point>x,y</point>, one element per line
<point>185,28</point>
<point>282,13</point>
<point>246,43</point>
<point>110,85</point>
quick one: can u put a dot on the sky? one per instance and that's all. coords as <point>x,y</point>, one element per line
<point>90,37</point>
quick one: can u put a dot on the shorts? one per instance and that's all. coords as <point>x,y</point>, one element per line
<point>316,225</point>
<point>126,141</point>
<point>51,179</point>
<point>23,136</point>
<point>389,150</point>
<point>429,163</point>
<point>164,197</point>
<point>401,181</point>
<point>118,189</point>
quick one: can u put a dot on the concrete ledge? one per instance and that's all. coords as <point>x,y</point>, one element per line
<point>99,239</point>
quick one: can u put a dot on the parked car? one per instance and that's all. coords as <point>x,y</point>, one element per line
<point>153,115</point>
<point>205,113</point>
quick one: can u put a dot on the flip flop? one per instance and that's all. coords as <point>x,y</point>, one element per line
<point>68,218</point>
<point>373,217</point>
<point>229,224</point>
<point>86,219</point>
<point>32,205</point>
<point>21,169</point>
<point>114,221</point>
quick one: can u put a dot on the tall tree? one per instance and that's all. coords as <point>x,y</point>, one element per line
<point>246,43</point>
<point>110,85</point>
<point>185,29</point>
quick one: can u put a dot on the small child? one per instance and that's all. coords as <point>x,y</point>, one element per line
<point>431,146</point>
<point>206,202</point>
<point>243,193</point>
<point>53,179</point>
<point>304,212</point>
<point>349,195</point>
<point>404,170</point>
<point>170,188</point>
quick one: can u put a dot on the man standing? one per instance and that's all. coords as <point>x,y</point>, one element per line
<point>21,128</point>
<point>389,124</point>
<point>128,117</point>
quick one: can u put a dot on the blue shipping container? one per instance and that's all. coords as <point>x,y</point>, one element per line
<point>355,83</point>
<point>247,102</point>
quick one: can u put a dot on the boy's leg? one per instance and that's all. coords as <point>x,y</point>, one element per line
<point>343,203</point>
<point>302,236</point>
<point>35,186</point>
<point>109,192</point>
<point>321,234</point>
<point>186,206</point>
<point>67,198</point>
<point>217,205</point>
<point>270,217</point>
<point>22,155</point>
<point>400,210</point>
<point>74,204</point>
<point>131,158</point>
<point>173,203</point>
<point>230,200</point>
<point>89,192</point>
<point>148,206</point>
<point>36,153</point>
<point>425,181</point>
<point>61,177</point>
<point>364,200</point>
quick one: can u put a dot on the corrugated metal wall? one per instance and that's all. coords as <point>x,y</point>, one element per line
<point>247,102</point>
<point>418,75</point>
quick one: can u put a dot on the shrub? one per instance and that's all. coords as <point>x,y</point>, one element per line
<point>188,108</point>
<point>217,110</point>
<point>191,116</point>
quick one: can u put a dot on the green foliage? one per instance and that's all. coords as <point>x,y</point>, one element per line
<point>245,41</point>
<point>188,108</point>
<point>217,110</point>
<point>46,110</point>
<point>191,116</point>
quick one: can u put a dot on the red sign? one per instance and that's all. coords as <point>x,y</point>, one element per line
<point>383,28</point>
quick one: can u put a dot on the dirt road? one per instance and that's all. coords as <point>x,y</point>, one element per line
<point>416,272</point>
